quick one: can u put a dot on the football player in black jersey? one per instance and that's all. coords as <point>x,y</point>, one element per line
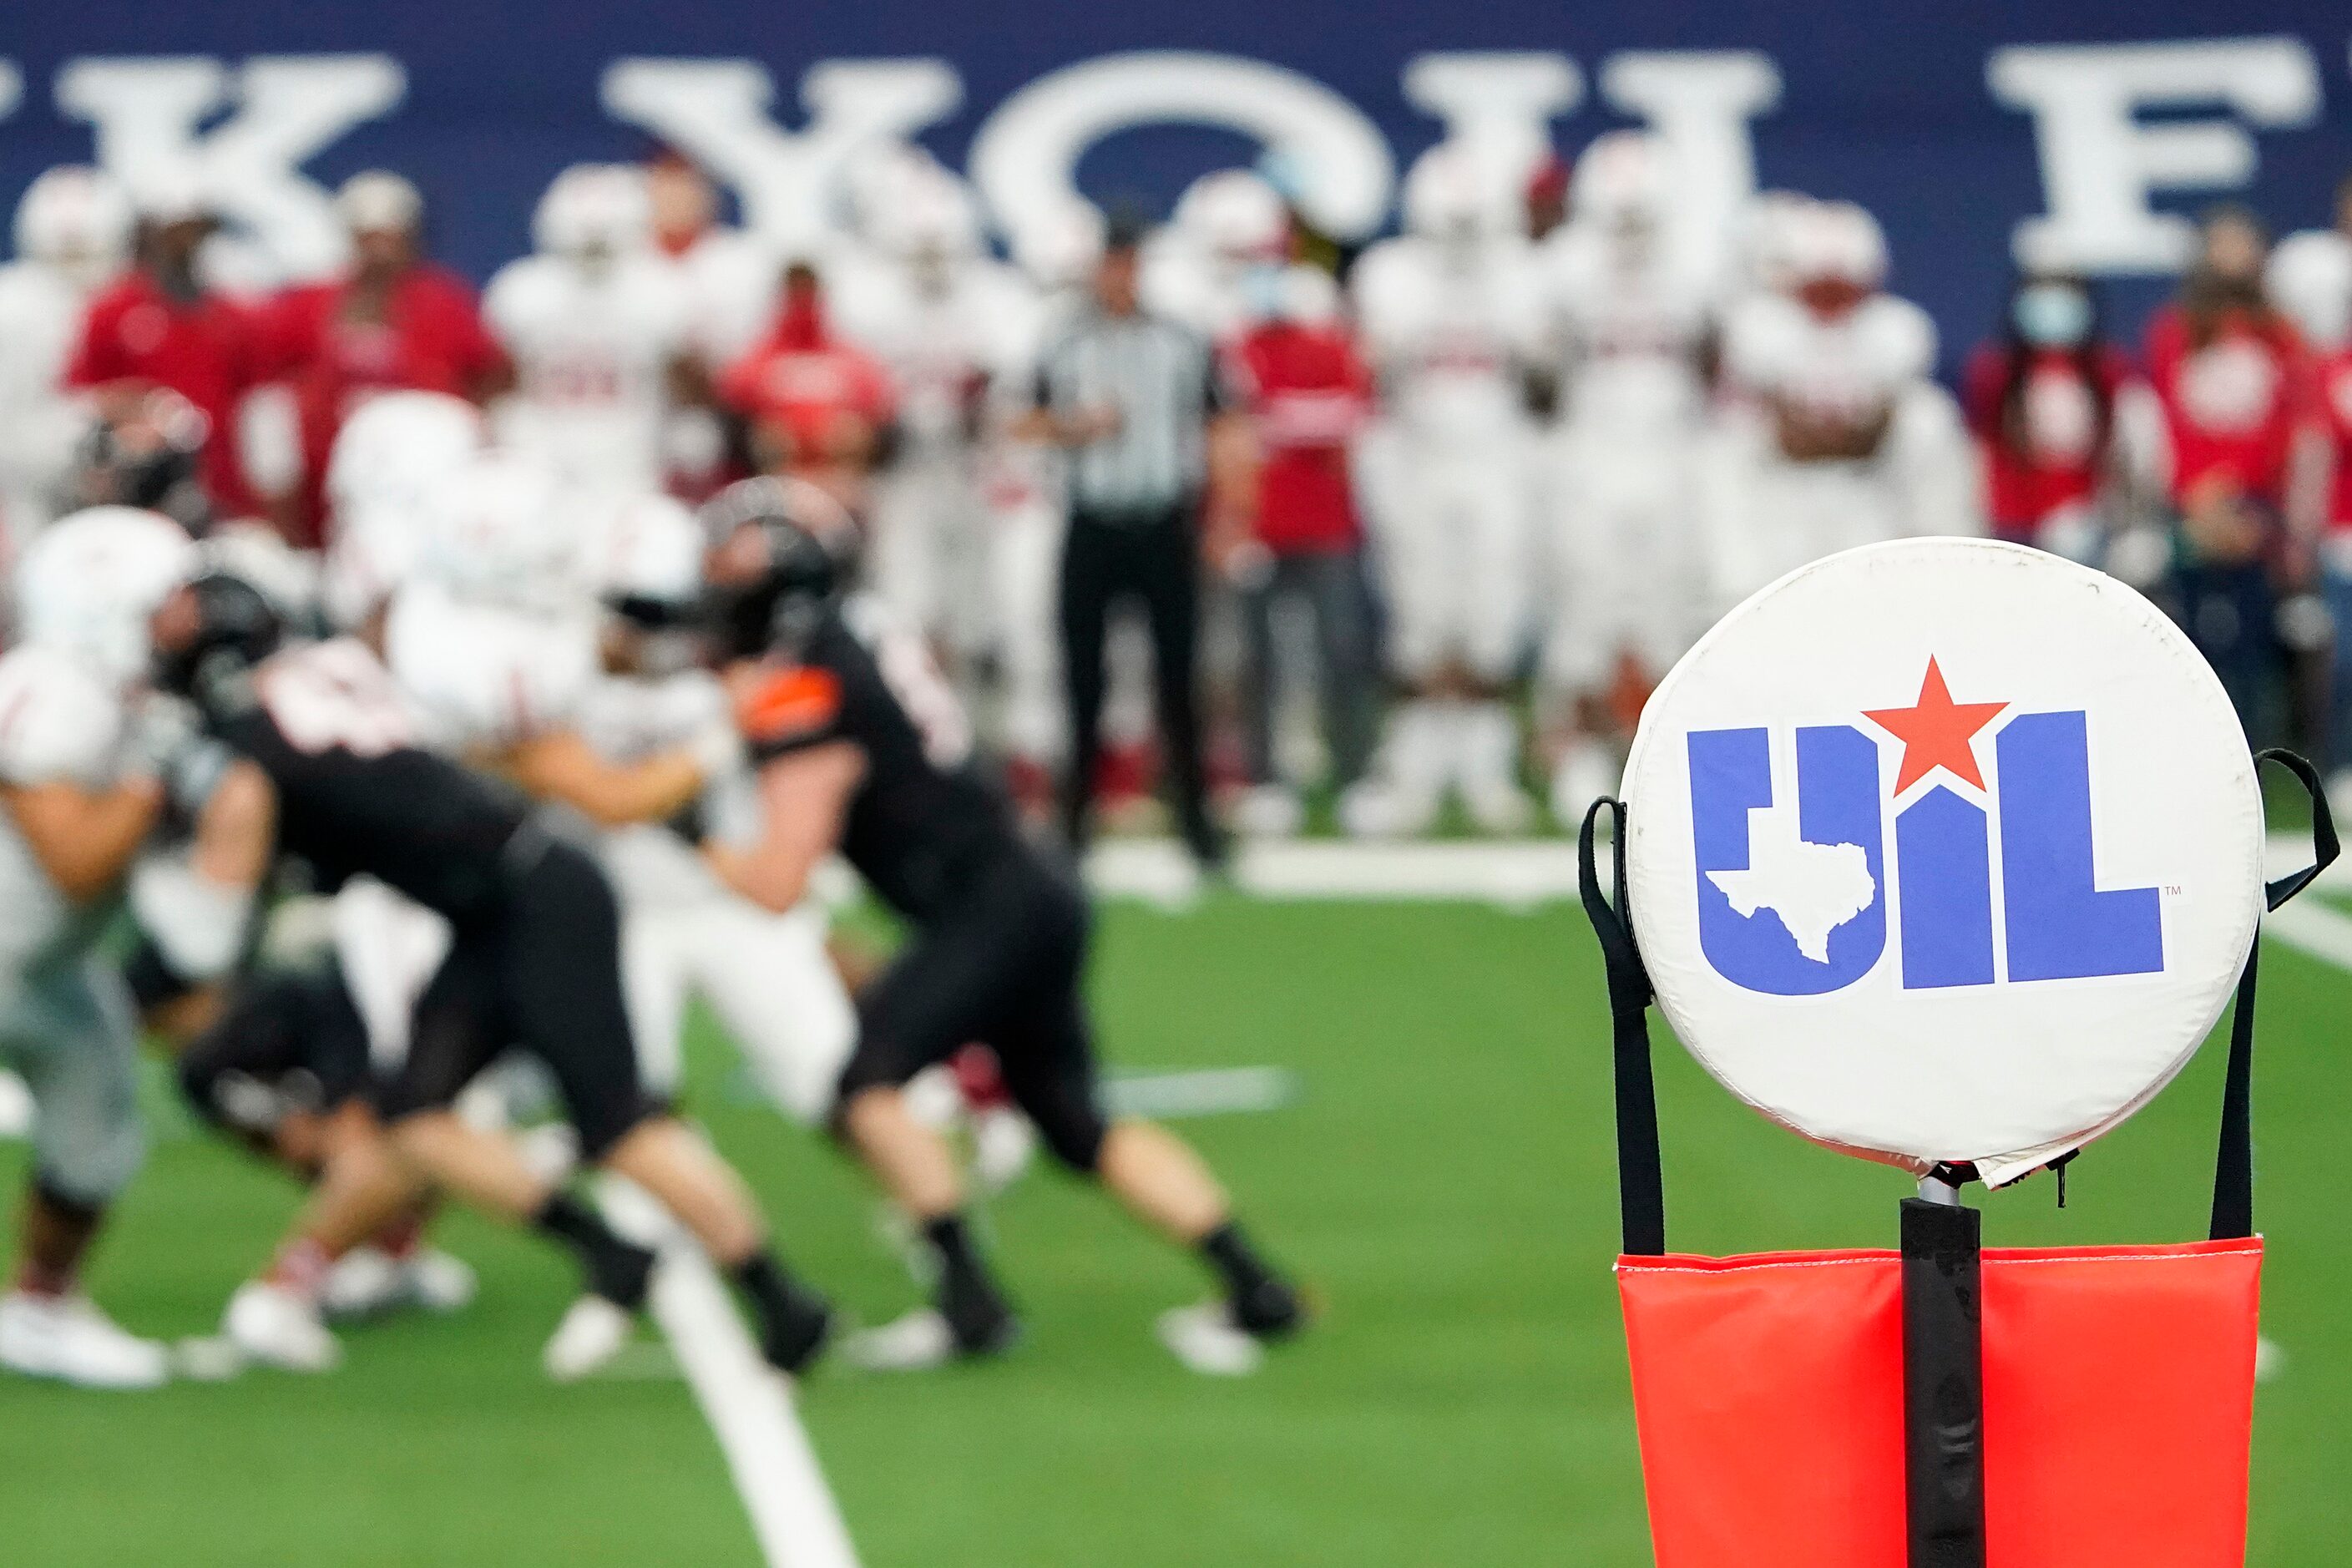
<point>861,746</point>
<point>533,961</point>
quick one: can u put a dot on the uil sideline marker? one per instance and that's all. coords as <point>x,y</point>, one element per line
<point>793,1515</point>
<point>1965,934</point>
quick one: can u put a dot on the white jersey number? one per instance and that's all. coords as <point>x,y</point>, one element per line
<point>335,697</point>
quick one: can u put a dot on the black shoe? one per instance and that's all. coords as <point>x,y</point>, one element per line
<point>792,1340</point>
<point>983,1322</point>
<point>621,1272</point>
<point>1269,1309</point>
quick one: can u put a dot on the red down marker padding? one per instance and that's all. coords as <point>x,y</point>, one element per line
<point>2118,1406</point>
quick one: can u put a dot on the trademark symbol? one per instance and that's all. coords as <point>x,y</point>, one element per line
<point>2172,890</point>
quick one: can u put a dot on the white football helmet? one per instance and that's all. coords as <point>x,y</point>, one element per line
<point>2310,279</point>
<point>1620,180</point>
<point>1838,242</point>
<point>78,220</point>
<point>89,581</point>
<point>650,552</point>
<point>1235,214</point>
<point>593,212</point>
<point>501,533</point>
<point>1061,251</point>
<point>933,218</point>
<point>1448,196</point>
<point>377,200</point>
<point>396,447</point>
<point>373,552</point>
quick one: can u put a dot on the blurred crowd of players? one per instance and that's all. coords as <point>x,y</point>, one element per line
<point>371,581</point>
<point>1475,488</point>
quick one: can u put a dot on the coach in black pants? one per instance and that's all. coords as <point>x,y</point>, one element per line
<point>1139,404</point>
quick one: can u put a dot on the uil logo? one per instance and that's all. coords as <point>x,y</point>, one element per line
<point>1793,873</point>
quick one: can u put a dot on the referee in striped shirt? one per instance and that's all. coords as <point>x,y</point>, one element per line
<point>1138,404</point>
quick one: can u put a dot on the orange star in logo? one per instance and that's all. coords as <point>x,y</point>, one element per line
<point>1935,731</point>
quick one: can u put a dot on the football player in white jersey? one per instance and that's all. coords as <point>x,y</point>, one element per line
<point>388,460</point>
<point>77,802</point>
<point>1626,327</point>
<point>599,330</point>
<point>1844,438</point>
<point>73,234</point>
<point>953,327</point>
<point>1447,313</point>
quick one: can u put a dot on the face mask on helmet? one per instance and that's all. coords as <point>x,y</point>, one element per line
<point>209,638</point>
<point>147,457</point>
<point>2051,315</point>
<point>779,558</point>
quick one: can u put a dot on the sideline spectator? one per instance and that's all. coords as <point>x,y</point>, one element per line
<point>393,321</point>
<point>1307,393</point>
<point>2048,403</point>
<point>161,325</point>
<point>2235,384</point>
<point>819,408</point>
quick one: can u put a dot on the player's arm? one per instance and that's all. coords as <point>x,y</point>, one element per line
<point>194,909</point>
<point>84,838</point>
<point>804,797</point>
<point>557,764</point>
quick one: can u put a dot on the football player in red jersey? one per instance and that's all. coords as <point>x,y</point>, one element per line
<point>391,321</point>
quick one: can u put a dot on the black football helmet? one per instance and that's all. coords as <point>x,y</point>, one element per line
<point>235,628</point>
<point>772,594</point>
<point>148,458</point>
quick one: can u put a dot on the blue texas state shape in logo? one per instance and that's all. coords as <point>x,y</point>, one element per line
<point>1793,882</point>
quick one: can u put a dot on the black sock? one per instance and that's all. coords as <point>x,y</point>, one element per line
<point>615,1269</point>
<point>1262,1303</point>
<point>968,1297</point>
<point>793,1319</point>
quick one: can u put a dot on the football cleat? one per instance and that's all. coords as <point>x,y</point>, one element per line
<point>1206,1338</point>
<point>68,1339</point>
<point>591,1333</point>
<point>439,1283</point>
<point>365,1282</point>
<point>918,1341</point>
<point>273,1326</point>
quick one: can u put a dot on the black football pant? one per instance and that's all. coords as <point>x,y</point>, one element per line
<point>1003,966</point>
<point>1150,558</point>
<point>539,969</point>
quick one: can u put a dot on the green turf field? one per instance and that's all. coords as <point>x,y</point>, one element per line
<point>1446,1180</point>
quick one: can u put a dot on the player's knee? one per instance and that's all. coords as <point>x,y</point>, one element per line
<point>602,1129</point>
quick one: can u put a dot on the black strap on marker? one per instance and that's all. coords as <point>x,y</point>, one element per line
<point>2233,1165</point>
<point>1641,1182</point>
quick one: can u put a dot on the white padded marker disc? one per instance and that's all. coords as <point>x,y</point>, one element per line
<point>1944,849</point>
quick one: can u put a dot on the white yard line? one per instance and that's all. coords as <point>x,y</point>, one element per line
<point>2320,930</point>
<point>1210,1091</point>
<point>1514,873</point>
<point>747,1402</point>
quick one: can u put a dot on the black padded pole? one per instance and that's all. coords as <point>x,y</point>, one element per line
<point>1943,1382</point>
